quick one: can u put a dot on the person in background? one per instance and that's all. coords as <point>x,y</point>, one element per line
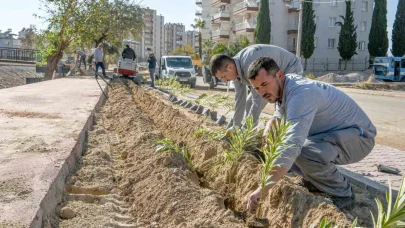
<point>227,68</point>
<point>152,67</point>
<point>98,59</point>
<point>81,57</point>
<point>128,53</point>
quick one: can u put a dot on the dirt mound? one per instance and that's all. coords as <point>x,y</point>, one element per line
<point>348,78</point>
<point>123,182</point>
<point>11,76</point>
<point>288,205</point>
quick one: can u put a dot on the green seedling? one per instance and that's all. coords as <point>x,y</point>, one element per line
<point>209,135</point>
<point>241,141</point>
<point>169,146</point>
<point>395,213</point>
<point>273,147</point>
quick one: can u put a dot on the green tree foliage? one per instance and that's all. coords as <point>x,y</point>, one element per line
<point>83,23</point>
<point>199,24</point>
<point>263,28</point>
<point>347,37</point>
<point>308,31</point>
<point>398,32</point>
<point>378,38</point>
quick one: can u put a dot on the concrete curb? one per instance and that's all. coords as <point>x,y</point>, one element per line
<point>372,92</point>
<point>364,183</point>
<point>55,193</point>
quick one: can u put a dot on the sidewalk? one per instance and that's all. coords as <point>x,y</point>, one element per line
<point>374,92</point>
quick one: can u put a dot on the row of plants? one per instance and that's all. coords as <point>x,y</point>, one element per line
<point>205,104</point>
<point>246,141</point>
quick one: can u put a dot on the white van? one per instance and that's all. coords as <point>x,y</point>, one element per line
<point>180,67</point>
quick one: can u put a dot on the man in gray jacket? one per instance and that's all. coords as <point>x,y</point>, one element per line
<point>236,69</point>
<point>330,129</point>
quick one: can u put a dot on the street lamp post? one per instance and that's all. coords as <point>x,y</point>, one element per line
<point>299,36</point>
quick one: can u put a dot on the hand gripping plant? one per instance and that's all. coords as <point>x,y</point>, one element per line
<point>273,147</point>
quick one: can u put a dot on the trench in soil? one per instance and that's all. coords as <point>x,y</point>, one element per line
<point>122,182</point>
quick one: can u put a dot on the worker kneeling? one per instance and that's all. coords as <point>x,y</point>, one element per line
<point>330,129</point>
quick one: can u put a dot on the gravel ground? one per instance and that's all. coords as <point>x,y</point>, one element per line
<point>14,75</point>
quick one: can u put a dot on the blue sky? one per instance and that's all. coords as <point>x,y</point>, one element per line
<point>17,14</point>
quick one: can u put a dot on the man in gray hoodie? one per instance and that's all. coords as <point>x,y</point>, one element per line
<point>235,69</point>
<point>329,129</point>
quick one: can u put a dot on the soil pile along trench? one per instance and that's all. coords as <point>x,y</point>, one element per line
<point>123,182</point>
<point>287,205</point>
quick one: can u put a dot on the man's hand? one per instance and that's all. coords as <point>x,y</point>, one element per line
<point>253,200</point>
<point>231,130</point>
<point>269,128</point>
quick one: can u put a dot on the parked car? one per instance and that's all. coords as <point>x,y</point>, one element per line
<point>180,67</point>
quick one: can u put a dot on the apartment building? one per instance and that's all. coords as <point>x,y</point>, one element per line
<point>174,36</point>
<point>159,36</point>
<point>191,38</point>
<point>227,20</point>
<point>7,40</point>
<point>153,34</point>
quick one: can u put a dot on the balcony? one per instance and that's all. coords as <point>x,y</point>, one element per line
<point>244,27</point>
<point>293,7</point>
<point>198,2</point>
<point>220,17</point>
<point>198,13</point>
<point>292,29</point>
<point>244,8</point>
<point>220,34</point>
<point>219,3</point>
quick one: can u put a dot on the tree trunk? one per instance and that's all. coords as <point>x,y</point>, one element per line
<point>51,65</point>
<point>305,65</point>
<point>200,44</point>
<point>345,63</point>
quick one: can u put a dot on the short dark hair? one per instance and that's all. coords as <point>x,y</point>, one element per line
<point>266,63</point>
<point>218,61</point>
<point>127,46</point>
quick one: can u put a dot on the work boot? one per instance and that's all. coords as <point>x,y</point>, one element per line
<point>308,185</point>
<point>343,202</point>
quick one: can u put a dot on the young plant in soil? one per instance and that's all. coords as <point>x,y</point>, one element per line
<point>273,147</point>
<point>241,141</point>
<point>209,135</point>
<point>168,146</point>
<point>395,214</point>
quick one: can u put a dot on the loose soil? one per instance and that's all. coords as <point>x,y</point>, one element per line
<point>122,182</point>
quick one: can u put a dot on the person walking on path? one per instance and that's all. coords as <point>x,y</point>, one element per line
<point>98,59</point>
<point>152,67</point>
<point>329,129</point>
<point>235,69</point>
<point>81,57</point>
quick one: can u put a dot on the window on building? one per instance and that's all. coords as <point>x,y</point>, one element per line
<point>331,43</point>
<point>363,26</point>
<point>315,41</point>
<point>332,21</point>
<point>333,2</point>
<point>362,45</point>
<point>364,6</point>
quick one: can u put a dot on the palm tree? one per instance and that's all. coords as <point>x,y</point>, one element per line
<point>199,24</point>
